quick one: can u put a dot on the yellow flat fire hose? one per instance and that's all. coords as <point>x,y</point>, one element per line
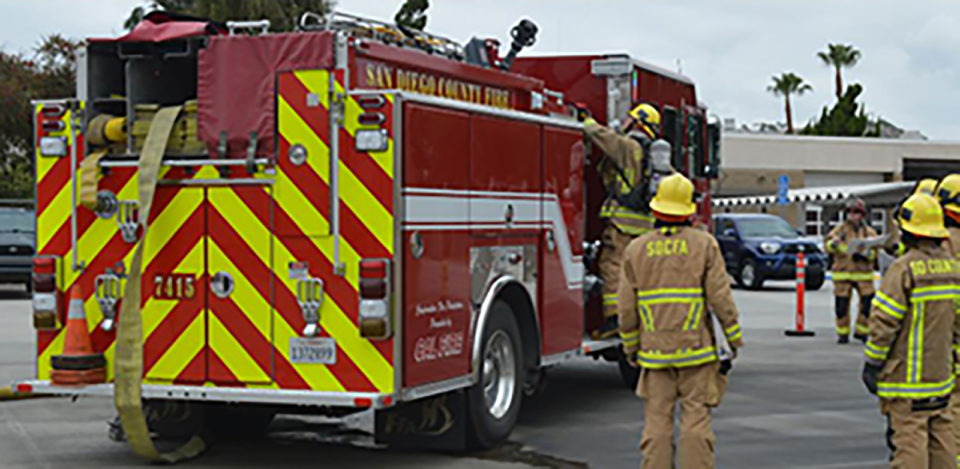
<point>128,361</point>
<point>89,171</point>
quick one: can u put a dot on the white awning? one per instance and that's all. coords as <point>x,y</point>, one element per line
<point>874,194</point>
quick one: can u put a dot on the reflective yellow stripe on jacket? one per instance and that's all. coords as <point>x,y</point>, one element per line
<point>853,276</point>
<point>681,359</point>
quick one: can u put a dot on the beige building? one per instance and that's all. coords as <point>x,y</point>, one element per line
<point>752,165</point>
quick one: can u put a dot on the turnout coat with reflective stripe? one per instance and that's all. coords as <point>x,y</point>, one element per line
<point>672,278</point>
<point>952,245</point>
<point>914,324</point>
<point>845,268</point>
<point>624,159</point>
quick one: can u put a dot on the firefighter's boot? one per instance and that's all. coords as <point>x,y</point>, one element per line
<point>842,310</point>
<point>607,330</point>
<point>862,329</point>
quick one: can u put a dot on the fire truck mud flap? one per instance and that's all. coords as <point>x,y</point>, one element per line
<point>433,423</point>
<point>129,344</point>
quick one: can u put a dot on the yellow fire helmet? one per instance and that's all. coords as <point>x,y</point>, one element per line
<point>948,193</point>
<point>926,186</point>
<point>647,118</point>
<point>674,197</point>
<point>921,215</point>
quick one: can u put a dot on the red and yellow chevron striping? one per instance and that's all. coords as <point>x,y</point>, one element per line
<point>252,234</point>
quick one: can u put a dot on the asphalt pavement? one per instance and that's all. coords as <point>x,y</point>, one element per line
<point>792,403</point>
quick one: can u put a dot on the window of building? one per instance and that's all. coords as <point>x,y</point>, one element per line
<point>878,220</point>
<point>813,225</point>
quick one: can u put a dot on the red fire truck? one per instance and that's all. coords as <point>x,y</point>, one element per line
<point>348,217</point>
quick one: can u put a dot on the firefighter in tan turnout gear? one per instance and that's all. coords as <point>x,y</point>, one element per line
<point>914,326</point>
<point>629,179</point>
<point>673,279</point>
<point>948,194</point>
<point>852,270</point>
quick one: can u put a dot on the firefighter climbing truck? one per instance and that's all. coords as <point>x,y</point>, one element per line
<point>348,217</point>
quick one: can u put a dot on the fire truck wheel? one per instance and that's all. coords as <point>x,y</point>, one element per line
<point>629,374</point>
<point>494,402</point>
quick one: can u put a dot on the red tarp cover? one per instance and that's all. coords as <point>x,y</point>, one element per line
<point>237,80</point>
<point>159,26</point>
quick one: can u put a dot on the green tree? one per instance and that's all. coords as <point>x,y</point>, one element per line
<point>785,85</point>
<point>283,14</point>
<point>413,14</point>
<point>839,56</point>
<point>45,73</point>
<point>847,118</point>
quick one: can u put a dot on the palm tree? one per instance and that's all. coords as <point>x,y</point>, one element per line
<point>839,56</point>
<point>785,85</point>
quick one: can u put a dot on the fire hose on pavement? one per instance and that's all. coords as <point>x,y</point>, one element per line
<point>128,361</point>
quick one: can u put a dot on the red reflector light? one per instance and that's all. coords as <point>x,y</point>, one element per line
<point>371,102</point>
<point>53,126</point>
<point>23,388</point>
<point>53,110</point>
<point>44,265</point>
<point>388,400</point>
<point>372,288</point>
<point>371,118</point>
<point>363,402</point>
<point>375,268</point>
<point>45,283</point>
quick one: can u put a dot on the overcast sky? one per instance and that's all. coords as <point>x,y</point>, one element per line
<point>911,50</point>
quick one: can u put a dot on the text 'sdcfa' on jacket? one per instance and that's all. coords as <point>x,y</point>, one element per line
<point>671,278</point>
<point>915,325</point>
<point>846,266</point>
<point>621,171</point>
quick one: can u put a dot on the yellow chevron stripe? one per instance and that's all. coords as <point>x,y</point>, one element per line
<point>333,319</point>
<point>188,344</point>
<point>233,355</point>
<point>318,377</point>
<point>317,82</point>
<point>91,244</point>
<point>58,211</point>
<point>353,192</point>
<point>163,228</point>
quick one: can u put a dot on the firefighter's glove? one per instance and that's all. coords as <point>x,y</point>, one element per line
<point>860,257</point>
<point>870,376</point>
<point>726,366</point>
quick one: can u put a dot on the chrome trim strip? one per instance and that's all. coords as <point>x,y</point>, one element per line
<point>183,163</point>
<point>217,182</point>
<point>399,215</point>
<point>73,187</point>
<point>557,358</point>
<point>220,394</point>
<point>439,387</point>
<point>470,107</point>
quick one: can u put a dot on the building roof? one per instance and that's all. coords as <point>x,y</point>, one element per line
<point>875,194</point>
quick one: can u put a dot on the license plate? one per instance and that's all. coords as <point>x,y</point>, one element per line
<point>321,351</point>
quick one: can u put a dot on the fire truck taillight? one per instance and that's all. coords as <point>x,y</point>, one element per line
<point>374,314</point>
<point>370,137</point>
<point>45,304</point>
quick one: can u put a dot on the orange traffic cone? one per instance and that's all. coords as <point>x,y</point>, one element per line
<point>78,364</point>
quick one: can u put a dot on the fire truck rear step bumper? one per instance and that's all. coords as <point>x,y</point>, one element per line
<point>589,345</point>
<point>359,400</point>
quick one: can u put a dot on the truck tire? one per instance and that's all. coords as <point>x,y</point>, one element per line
<point>814,280</point>
<point>494,402</point>
<point>749,276</point>
<point>629,374</point>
